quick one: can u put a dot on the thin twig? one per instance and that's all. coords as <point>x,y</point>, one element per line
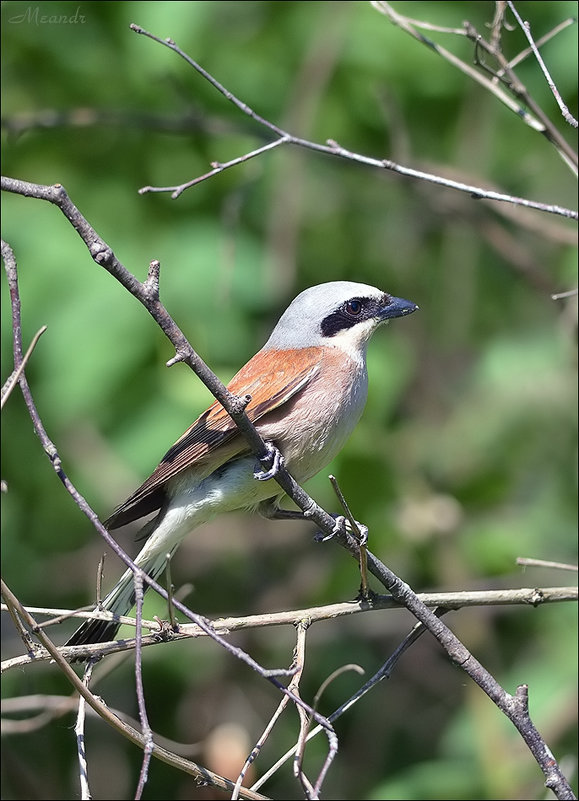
<point>170,593</point>
<point>23,633</point>
<point>142,705</point>
<point>79,730</point>
<point>569,293</point>
<point>405,24</point>
<point>217,168</point>
<point>497,24</point>
<point>522,104</point>
<point>256,750</point>
<point>525,26</point>
<point>13,379</point>
<point>356,529</point>
<point>300,660</point>
<point>529,562</point>
<point>333,149</point>
<point>352,667</point>
<point>99,580</point>
<point>385,671</point>
<point>543,40</point>
<point>297,670</point>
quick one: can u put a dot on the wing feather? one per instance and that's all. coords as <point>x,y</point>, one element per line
<point>270,385</point>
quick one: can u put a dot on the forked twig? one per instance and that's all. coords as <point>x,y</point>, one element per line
<point>333,149</point>
<point>526,28</point>
<point>13,379</point>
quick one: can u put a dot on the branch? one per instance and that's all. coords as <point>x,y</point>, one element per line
<point>530,596</point>
<point>331,148</point>
<point>527,31</point>
<point>537,120</point>
<point>384,672</point>
<point>13,379</point>
<point>202,774</point>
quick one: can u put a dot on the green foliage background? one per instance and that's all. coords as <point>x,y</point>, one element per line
<point>466,455</point>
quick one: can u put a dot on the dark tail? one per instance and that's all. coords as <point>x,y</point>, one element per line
<point>119,601</point>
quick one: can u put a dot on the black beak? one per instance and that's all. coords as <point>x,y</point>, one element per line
<point>397,307</point>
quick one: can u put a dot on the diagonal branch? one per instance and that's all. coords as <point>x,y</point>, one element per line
<point>331,148</point>
<point>520,104</point>
<point>551,83</point>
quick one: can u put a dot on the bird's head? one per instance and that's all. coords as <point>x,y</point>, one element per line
<point>341,314</point>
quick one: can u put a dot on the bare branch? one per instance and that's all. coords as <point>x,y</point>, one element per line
<point>408,26</point>
<point>362,537</point>
<point>142,704</point>
<point>540,42</point>
<point>535,596</point>
<point>80,738</point>
<point>527,31</point>
<point>13,379</point>
<point>333,149</point>
<point>528,562</point>
<point>569,293</point>
<point>103,711</point>
<point>217,168</point>
<point>385,671</point>
<point>527,110</point>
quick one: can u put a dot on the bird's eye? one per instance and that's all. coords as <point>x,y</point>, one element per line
<point>354,307</point>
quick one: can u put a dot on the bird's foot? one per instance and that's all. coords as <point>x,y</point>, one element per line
<point>343,525</point>
<point>274,456</point>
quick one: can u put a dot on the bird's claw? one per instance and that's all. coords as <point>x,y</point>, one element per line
<point>277,462</point>
<point>340,527</point>
<point>363,531</point>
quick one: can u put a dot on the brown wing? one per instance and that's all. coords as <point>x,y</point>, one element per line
<point>270,378</point>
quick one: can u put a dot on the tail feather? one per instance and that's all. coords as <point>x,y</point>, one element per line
<point>119,601</point>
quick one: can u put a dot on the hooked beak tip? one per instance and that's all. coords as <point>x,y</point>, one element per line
<point>398,307</point>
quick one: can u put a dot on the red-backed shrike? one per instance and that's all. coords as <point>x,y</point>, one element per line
<point>308,387</point>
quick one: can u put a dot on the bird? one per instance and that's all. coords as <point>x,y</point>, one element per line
<point>308,387</point>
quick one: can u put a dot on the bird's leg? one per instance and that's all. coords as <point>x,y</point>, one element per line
<point>277,462</point>
<point>270,510</point>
